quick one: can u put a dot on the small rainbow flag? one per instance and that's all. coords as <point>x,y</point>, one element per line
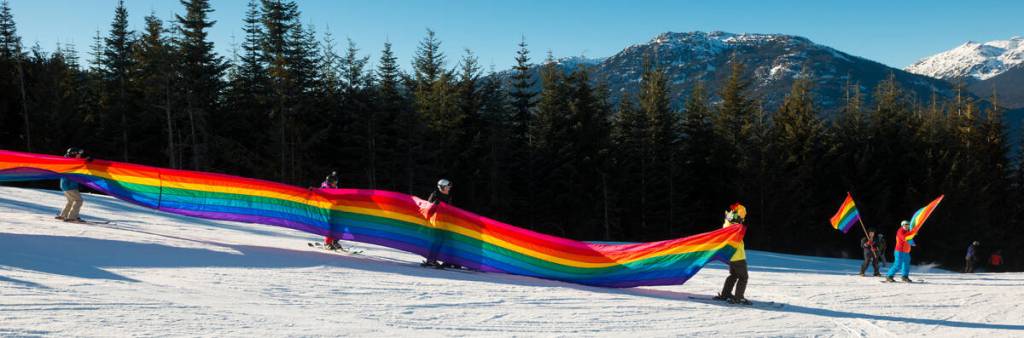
<point>846,216</point>
<point>920,216</point>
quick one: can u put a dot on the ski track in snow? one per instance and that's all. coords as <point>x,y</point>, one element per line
<point>149,273</point>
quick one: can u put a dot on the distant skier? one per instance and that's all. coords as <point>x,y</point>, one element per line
<point>880,243</point>
<point>970,260</point>
<point>735,216</point>
<point>870,247</point>
<point>71,190</point>
<point>902,252</point>
<point>331,182</point>
<point>441,194</point>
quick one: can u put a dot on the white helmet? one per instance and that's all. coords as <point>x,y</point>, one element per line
<point>443,183</point>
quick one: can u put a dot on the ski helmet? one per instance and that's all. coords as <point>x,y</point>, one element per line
<point>739,209</point>
<point>443,183</point>
<point>72,152</point>
<point>904,223</point>
<point>976,243</point>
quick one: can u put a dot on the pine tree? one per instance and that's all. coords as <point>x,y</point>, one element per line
<point>118,65</point>
<point>10,42</point>
<point>201,71</point>
<point>697,156</point>
<point>278,19</point>
<point>155,76</point>
<point>660,140</point>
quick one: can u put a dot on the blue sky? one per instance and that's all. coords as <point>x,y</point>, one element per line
<point>896,33</point>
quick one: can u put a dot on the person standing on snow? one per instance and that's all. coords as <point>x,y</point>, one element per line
<point>970,260</point>
<point>331,182</point>
<point>902,252</point>
<point>870,247</point>
<point>880,244</point>
<point>735,216</point>
<point>441,194</point>
<point>71,191</point>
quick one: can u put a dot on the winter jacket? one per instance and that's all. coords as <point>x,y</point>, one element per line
<point>970,252</point>
<point>438,196</point>
<point>741,252</point>
<point>995,260</point>
<point>67,184</point>
<point>867,245</point>
<point>901,241</point>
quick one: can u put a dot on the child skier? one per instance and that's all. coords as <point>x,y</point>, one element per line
<point>735,216</point>
<point>902,252</point>
<point>70,189</point>
<point>439,195</point>
<point>870,247</point>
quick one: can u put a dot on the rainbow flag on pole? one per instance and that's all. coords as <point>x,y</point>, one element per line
<point>920,216</point>
<point>846,216</point>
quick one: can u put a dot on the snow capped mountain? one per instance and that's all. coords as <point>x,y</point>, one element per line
<point>973,61</point>
<point>771,62</point>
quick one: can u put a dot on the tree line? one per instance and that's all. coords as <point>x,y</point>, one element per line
<point>291,105</point>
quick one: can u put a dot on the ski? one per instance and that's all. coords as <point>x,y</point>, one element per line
<point>916,281</point>
<point>82,221</point>
<point>758,304</point>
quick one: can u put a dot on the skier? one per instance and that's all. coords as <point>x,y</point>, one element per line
<point>996,261</point>
<point>331,182</point>
<point>70,189</point>
<point>870,247</point>
<point>970,259</point>
<point>441,194</point>
<point>880,244</point>
<point>738,263</point>
<point>902,251</point>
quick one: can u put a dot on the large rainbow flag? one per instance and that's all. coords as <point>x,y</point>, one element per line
<point>389,219</point>
<point>847,215</point>
<point>920,216</point>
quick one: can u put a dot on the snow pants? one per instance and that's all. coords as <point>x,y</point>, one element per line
<point>73,206</point>
<point>869,258</point>
<point>902,264</point>
<point>737,277</point>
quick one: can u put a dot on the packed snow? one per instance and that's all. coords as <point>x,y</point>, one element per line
<point>972,60</point>
<point>149,273</point>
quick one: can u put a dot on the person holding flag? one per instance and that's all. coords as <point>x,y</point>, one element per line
<point>735,216</point>
<point>905,240</point>
<point>902,252</point>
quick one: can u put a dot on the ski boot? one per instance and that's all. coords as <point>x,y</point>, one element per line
<point>59,217</point>
<point>906,279</point>
<point>434,264</point>
<point>877,274</point>
<point>739,301</point>
<point>725,297</point>
<point>888,279</point>
<point>74,220</point>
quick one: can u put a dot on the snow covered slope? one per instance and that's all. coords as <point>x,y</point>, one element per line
<point>151,273</point>
<point>972,61</point>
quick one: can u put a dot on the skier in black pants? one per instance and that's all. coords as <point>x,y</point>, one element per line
<point>441,194</point>
<point>870,247</point>
<point>737,263</point>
